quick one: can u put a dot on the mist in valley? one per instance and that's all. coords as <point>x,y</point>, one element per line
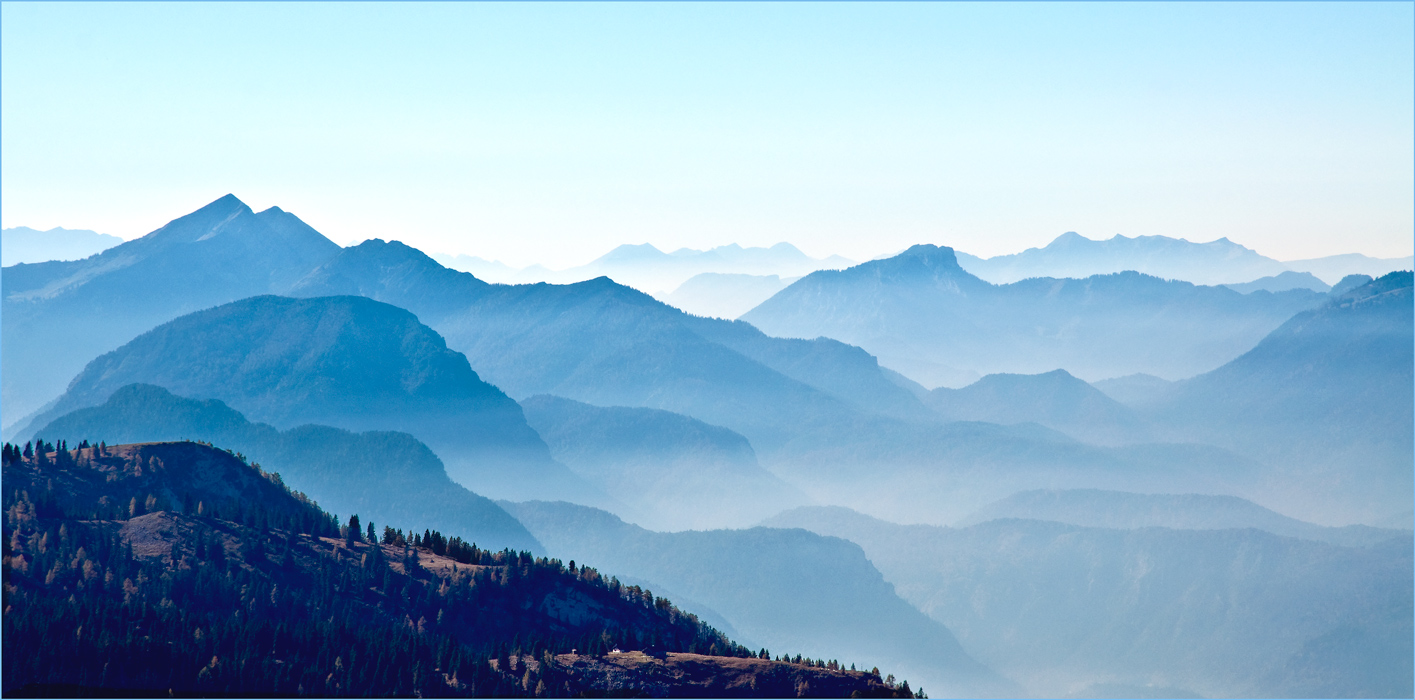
<point>1227,513</point>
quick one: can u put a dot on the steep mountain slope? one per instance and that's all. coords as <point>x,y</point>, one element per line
<point>347,362</point>
<point>1221,613</point>
<point>1191,511</point>
<point>779,588</point>
<point>23,244</point>
<point>674,472</point>
<point>177,569</point>
<point>1055,399</point>
<point>651,270</point>
<point>57,316</point>
<point>385,477</point>
<point>1135,390</point>
<point>819,413</point>
<point>1073,255</point>
<point>1349,283</point>
<point>1333,267</point>
<point>723,295</point>
<point>1281,283</point>
<point>606,344</point>
<point>1327,398</point>
<point>928,318</point>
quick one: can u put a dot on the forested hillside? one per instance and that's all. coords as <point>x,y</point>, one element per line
<point>384,476</point>
<point>176,568</point>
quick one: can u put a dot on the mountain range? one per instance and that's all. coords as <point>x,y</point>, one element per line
<point>1212,612</point>
<point>925,316</point>
<point>1115,544</point>
<point>1054,399</point>
<point>1217,262</point>
<point>385,477</point>
<point>346,362</point>
<point>178,569</point>
<point>820,414</point>
<point>724,295</point>
<point>651,270</point>
<point>1326,399</point>
<point>672,471</point>
<point>57,316</point>
<point>778,588</point>
<point>606,344</point>
<point>1189,511</point>
<point>23,244</point>
<point>1282,282</point>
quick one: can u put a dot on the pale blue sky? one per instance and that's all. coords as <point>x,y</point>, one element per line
<point>552,132</point>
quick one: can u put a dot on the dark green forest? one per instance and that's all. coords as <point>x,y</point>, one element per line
<point>178,568</point>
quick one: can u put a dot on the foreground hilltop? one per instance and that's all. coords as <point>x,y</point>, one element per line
<point>176,568</point>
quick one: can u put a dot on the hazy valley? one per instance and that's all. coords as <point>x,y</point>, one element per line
<point>1132,467</point>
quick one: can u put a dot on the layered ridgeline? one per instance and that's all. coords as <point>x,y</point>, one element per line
<point>346,362</point>
<point>808,407</point>
<point>819,413</point>
<point>925,316</point>
<point>651,270</point>
<point>609,345</point>
<point>23,244</point>
<point>1326,399</point>
<point>177,569</point>
<point>385,477</point>
<point>778,588</point>
<point>1154,611</point>
<point>57,316</point>
<point>1216,262</point>
<point>673,472</point>
<point>1191,511</point>
<point>1054,399</point>
<point>723,295</point>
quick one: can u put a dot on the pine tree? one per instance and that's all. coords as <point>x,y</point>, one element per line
<point>354,532</point>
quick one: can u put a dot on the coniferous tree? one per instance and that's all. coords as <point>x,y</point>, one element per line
<point>355,531</point>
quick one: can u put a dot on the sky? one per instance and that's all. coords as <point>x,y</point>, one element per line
<point>551,133</point>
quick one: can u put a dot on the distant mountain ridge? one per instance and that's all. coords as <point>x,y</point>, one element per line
<point>602,343</point>
<point>818,413</point>
<point>925,316</point>
<point>385,477</point>
<point>1282,282</point>
<point>1054,399</point>
<point>675,472</point>
<point>1121,510</point>
<point>778,588</point>
<point>1217,613</point>
<point>724,295</point>
<point>1217,262</point>
<point>1072,255</point>
<point>57,316</point>
<point>23,244</point>
<point>348,362</point>
<point>1326,396</point>
<point>648,269</point>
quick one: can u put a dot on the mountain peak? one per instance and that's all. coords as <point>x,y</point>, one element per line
<point>1071,238</point>
<point>932,255</point>
<point>629,252</point>
<point>228,203</point>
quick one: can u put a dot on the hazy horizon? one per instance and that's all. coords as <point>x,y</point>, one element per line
<point>551,133</point>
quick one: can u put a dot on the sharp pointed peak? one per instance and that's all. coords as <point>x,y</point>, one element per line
<point>226,201</point>
<point>1069,238</point>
